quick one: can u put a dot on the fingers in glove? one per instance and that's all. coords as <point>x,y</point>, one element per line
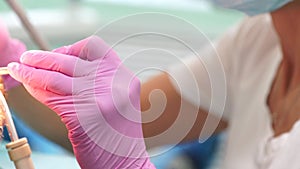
<point>91,48</point>
<point>41,79</point>
<point>66,64</point>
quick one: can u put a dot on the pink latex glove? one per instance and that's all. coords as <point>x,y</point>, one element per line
<point>10,51</point>
<point>95,96</point>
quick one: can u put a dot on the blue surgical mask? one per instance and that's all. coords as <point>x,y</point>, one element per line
<point>252,7</point>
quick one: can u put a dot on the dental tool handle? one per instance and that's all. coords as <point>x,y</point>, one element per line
<point>37,38</point>
<point>19,152</point>
<point>2,118</point>
<point>8,119</point>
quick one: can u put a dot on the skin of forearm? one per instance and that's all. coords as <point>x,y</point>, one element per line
<point>38,116</point>
<point>189,119</point>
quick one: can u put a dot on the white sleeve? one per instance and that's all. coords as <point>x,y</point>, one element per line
<point>205,79</point>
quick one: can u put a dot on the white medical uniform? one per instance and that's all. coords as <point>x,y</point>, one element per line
<point>250,54</point>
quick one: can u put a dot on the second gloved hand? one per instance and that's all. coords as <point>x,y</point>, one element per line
<point>10,51</point>
<point>95,96</point>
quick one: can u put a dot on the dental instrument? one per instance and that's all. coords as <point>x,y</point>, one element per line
<point>8,119</point>
<point>2,117</point>
<point>18,149</point>
<point>36,37</point>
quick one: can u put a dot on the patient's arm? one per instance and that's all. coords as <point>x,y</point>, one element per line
<point>170,114</point>
<point>38,116</point>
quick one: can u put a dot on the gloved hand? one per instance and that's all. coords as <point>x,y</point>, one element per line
<point>95,96</point>
<point>10,51</point>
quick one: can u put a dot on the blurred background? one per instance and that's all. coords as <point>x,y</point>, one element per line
<point>63,22</point>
